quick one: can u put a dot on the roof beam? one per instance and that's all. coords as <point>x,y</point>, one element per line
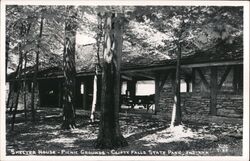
<point>142,74</point>
<point>158,68</point>
<point>126,77</point>
<point>203,78</point>
<point>225,63</point>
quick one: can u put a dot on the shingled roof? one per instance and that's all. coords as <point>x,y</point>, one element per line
<point>140,59</point>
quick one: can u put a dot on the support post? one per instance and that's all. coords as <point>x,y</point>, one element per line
<point>132,88</point>
<point>84,95</point>
<point>60,94</point>
<point>157,92</point>
<point>213,91</point>
<point>193,79</point>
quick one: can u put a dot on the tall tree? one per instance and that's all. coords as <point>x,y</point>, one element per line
<point>98,65</point>
<point>69,68</point>
<point>17,85</point>
<point>176,111</point>
<point>7,47</point>
<point>24,87</point>
<point>46,48</point>
<point>34,83</point>
<point>94,101</point>
<point>24,29</point>
<point>109,130</point>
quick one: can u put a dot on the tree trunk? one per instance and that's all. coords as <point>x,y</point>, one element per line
<point>109,130</point>
<point>12,88</point>
<point>69,70</point>
<point>18,87</point>
<point>7,54</point>
<point>35,84</point>
<point>24,87</point>
<point>9,95</point>
<point>93,108</point>
<point>176,113</point>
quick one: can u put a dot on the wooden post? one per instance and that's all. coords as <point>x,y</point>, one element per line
<point>120,102</point>
<point>157,93</point>
<point>60,94</point>
<point>188,84</point>
<point>213,91</point>
<point>193,79</point>
<point>84,95</point>
<point>131,86</point>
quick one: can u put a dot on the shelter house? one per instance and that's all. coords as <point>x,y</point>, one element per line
<point>211,82</point>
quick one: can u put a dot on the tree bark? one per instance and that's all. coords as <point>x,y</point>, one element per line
<point>109,130</point>
<point>95,82</point>
<point>9,95</point>
<point>35,84</point>
<point>24,87</point>
<point>176,113</point>
<point>7,53</point>
<point>18,81</point>
<point>93,108</point>
<point>12,88</point>
<point>69,69</point>
<point>6,69</point>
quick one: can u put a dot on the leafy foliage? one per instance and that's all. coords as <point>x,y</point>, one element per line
<point>150,31</point>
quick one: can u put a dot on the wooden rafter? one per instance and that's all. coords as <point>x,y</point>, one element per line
<point>163,80</point>
<point>203,78</point>
<point>224,76</point>
<point>141,74</point>
<point>126,77</point>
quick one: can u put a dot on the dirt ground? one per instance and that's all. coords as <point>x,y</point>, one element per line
<point>145,135</point>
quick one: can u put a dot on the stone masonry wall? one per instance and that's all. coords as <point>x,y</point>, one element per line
<point>197,102</point>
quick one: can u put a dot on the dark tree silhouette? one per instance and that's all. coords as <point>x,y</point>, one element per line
<point>35,84</point>
<point>69,69</point>
<point>17,85</point>
<point>109,130</point>
<point>176,114</point>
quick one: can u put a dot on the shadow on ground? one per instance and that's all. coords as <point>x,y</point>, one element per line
<point>142,133</point>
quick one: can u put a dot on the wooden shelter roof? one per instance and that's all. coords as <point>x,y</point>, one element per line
<point>132,61</point>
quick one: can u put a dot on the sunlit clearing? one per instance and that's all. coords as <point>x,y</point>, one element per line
<point>176,134</point>
<point>130,130</point>
<point>68,142</point>
<point>80,131</point>
<point>48,127</point>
